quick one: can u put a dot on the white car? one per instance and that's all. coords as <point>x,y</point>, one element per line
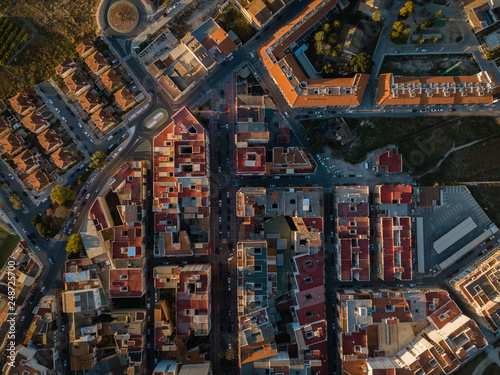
<point>92,141</point>
<point>80,125</point>
<point>57,110</point>
<point>50,101</point>
<point>64,119</point>
<point>110,138</point>
<point>87,134</point>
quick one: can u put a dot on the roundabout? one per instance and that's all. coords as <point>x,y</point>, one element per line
<point>123,16</point>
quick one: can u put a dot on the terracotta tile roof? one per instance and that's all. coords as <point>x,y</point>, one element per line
<point>124,98</point>
<point>35,122</point>
<point>66,66</point>
<point>26,161</point>
<point>477,13</point>
<point>395,90</point>
<point>127,242</point>
<point>102,118</point>
<point>180,151</point>
<point>90,101</point>
<point>288,75</point>
<point>21,103</point>
<point>390,162</point>
<point>40,179</point>
<point>12,143</point>
<point>224,43</point>
<point>84,47</point>
<point>96,62</point>
<point>259,12</point>
<point>126,283</point>
<point>110,79</point>
<point>48,140</point>
<point>76,82</point>
<point>395,194</point>
<point>62,158</point>
<point>250,160</point>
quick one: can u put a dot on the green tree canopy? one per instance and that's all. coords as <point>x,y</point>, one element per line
<point>98,160</point>
<point>434,39</point>
<point>421,40</point>
<point>361,63</point>
<point>437,14</point>
<point>377,15</point>
<point>327,27</point>
<point>75,244</point>
<point>336,25</point>
<point>63,196</point>
<point>17,203</point>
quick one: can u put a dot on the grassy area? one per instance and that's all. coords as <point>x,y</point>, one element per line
<point>476,163</point>
<point>469,367</point>
<point>8,243</point>
<point>233,19</point>
<point>145,146</point>
<point>56,27</point>
<point>12,39</point>
<point>488,197</point>
<point>492,369</point>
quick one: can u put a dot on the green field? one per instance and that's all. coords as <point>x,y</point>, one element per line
<point>8,243</point>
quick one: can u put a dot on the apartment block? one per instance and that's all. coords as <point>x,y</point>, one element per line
<point>181,187</point>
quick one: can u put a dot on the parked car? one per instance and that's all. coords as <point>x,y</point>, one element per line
<point>57,110</point>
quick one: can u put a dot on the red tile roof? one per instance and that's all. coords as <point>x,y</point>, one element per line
<point>395,194</point>
<point>445,314</point>
<point>40,179</point>
<point>35,121</point>
<point>49,140</point>
<point>127,282</point>
<point>250,160</point>
<point>90,101</point>
<point>96,62</point>
<point>390,161</point>
<point>21,103</point>
<point>67,65</point>
<point>124,98</point>
<point>26,161</point>
<point>96,214</point>
<point>76,82</point>
<point>62,158</point>
<point>110,79</point>
<point>128,241</point>
<point>84,47</point>
<point>12,143</point>
<point>102,118</point>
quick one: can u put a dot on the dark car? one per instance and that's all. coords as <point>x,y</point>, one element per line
<point>257,37</point>
<point>267,28</point>
<point>16,219</point>
<point>296,117</point>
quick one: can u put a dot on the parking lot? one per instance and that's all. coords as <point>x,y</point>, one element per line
<point>456,206</point>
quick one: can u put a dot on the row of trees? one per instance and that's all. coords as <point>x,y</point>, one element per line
<point>407,9</point>
<point>11,39</point>
<point>493,54</point>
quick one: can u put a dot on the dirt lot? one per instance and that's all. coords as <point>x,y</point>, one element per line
<point>429,65</point>
<point>233,19</point>
<point>193,16</point>
<point>58,26</point>
<point>423,143</point>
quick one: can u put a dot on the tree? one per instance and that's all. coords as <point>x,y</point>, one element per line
<point>423,11</point>
<point>63,196</point>
<point>37,219</point>
<point>336,25</point>
<point>75,244</point>
<point>437,14</point>
<point>17,203</point>
<point>361,63</point>
<point>319,36</point>
<point>98,160</point>
<point>327,27</point>
<point>434,39</point>
<point>377,15</point>
<point>407,10</point>
<point>319,48</point>
<point>398,26</point>
<point>332,39</point>
<point>421,40</point>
